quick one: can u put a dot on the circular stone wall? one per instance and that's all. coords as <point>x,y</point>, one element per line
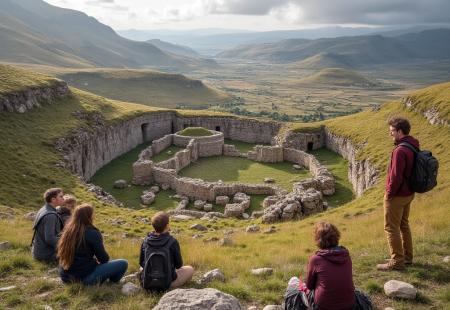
<point>207,145</point>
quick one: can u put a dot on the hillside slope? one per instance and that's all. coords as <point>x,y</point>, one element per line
<point>147,87</point>
<point>29,167</point>
<point>32,31</point>
<point>338,77</point>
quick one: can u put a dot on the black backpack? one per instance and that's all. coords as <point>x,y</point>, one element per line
<point>424,172</point>
<point>157,273</point>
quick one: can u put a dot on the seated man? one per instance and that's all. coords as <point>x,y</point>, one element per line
<point>161,259</point>
<point>47,227</point>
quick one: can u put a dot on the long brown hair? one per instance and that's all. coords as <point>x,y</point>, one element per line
<point>73,234</point>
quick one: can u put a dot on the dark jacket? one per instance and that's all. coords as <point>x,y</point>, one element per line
<point>330,276</point>
<point>155,240</point>
<point>47,226</point>
<point>400,169</point>
<point>64,213</point>
<point>88,255</point>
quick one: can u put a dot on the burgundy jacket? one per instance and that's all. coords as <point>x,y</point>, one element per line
<point>400,168</point>
<point>330,276</point>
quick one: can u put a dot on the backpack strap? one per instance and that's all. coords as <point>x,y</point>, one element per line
<point>410,146</point>
<point>40,220</point>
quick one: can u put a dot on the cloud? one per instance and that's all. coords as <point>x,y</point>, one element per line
<point>107,4</point>
<point>338,12</point>
<point>99,2</point>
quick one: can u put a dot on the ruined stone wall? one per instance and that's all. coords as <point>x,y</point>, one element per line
<point>241,129</point>
<point>303,140</point>
<point>268,154</point>
<point>161,144</point>
<point>24,100</point>
<point>207,146</point>
<point>231,150</point>
<point>361,173</point>
<point>87,151</point>
<point>165,176</point>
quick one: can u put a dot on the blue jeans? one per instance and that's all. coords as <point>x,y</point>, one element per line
<point>112,270</point>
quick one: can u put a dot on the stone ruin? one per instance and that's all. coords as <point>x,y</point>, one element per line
<point>305,199</point>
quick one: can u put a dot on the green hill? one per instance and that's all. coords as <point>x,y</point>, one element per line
<point>33,31</point>
<point>322,61</point>
<point>29,167</point>
<point>338,77</point>
<point>147,87</point>
<point>174,48</point>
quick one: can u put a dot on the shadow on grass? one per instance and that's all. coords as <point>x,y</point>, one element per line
<point>430,272</point>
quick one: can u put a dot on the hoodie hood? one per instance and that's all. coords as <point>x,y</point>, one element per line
<point>408,139</point>
<point>157,240</point>
<point>337,255</point>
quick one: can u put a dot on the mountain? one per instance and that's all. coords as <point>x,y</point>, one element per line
<point>338,77</point>
<point>151,88</point>
<point>174,48</point>
<point>33,31</point>
<point>355,51</point>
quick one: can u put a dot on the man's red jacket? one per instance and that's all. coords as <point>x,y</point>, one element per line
<point>400,168</point>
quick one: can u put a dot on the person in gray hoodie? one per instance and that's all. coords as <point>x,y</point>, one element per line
<point>47,226</point>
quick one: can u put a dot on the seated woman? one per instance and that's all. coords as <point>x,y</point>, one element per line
<point>81,253</point>
<point>329,282</point>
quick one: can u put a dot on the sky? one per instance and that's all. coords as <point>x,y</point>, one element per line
<point>259,14</point>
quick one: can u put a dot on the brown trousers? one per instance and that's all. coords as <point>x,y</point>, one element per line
<point>398,233</point>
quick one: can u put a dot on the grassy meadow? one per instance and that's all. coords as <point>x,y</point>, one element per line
<point>29,167</point>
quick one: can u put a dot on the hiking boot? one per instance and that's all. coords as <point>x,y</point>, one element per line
<point>389,266</point>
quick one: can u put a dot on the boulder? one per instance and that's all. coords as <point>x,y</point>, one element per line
<point>182,204</point>
<point>181,217</point>
<point>5,245</point>
<point>165,186</point>
<point>154,189</point>
<point>273,307</point>
<point>120,184</point>
<point>233,210</point>
<point>245,216</point>
<point>240,197</point>
<point>199,227</point>
<point>222,200</point>
<point>297,167</point>
<point>129,289</point>
<point>208,207</point>
<point>262,271</point>
<point>269,180</point>
<point>399,289</point>
<point>129,277</point>
<point>446,259</point>
<point>199,204</point>
<point>212,275</point>
<point>147,198</point>
<point>270,200</point>
<point>226,241</point>
<point>198,299</point>
<point>252,229</point>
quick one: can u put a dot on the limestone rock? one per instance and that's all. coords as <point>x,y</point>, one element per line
<point>199,227</point>
<point>270,200</point>
<point>165,186</point>
<point>199,204</point>
<point>245,216</point>
<point>204,299</point>
<point>446,259</point>
<point>233,210</point>
<point>197,236</point>
<point>48,307</point>
<point>252,229</point>
<point>129,289</point>
<point>297,167</point>
<point>129,277</point>
<point>120,184</point>
<point>154,189</point>
<point>269,180</point>
<point>30,216</point>
<point>399,289</point>
<point>262,271</point>
<point>240,197</point>
<point>273,307</point>
<point>5,245</point>
<point>269,230</point>
<point>208,207</point>
<point>182,204</point>
<point>7,288</point>
<point>181,217</point>
<point>226,241</point>
<point>222,200</point>
<point>212,275</point>
<point>147,198</point>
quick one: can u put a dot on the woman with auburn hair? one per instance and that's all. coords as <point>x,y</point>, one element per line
<point>329,280</point>
<point>81,253</point>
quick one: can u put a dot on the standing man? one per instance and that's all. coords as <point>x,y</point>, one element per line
<point>398,197</point>
<point>47,227</point>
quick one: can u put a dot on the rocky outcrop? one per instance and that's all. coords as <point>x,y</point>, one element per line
<point>431,114</point>
<point>361,173</point>
<point>24,100</point>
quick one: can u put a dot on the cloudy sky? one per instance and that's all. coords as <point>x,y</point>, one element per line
<point>259,14</point>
